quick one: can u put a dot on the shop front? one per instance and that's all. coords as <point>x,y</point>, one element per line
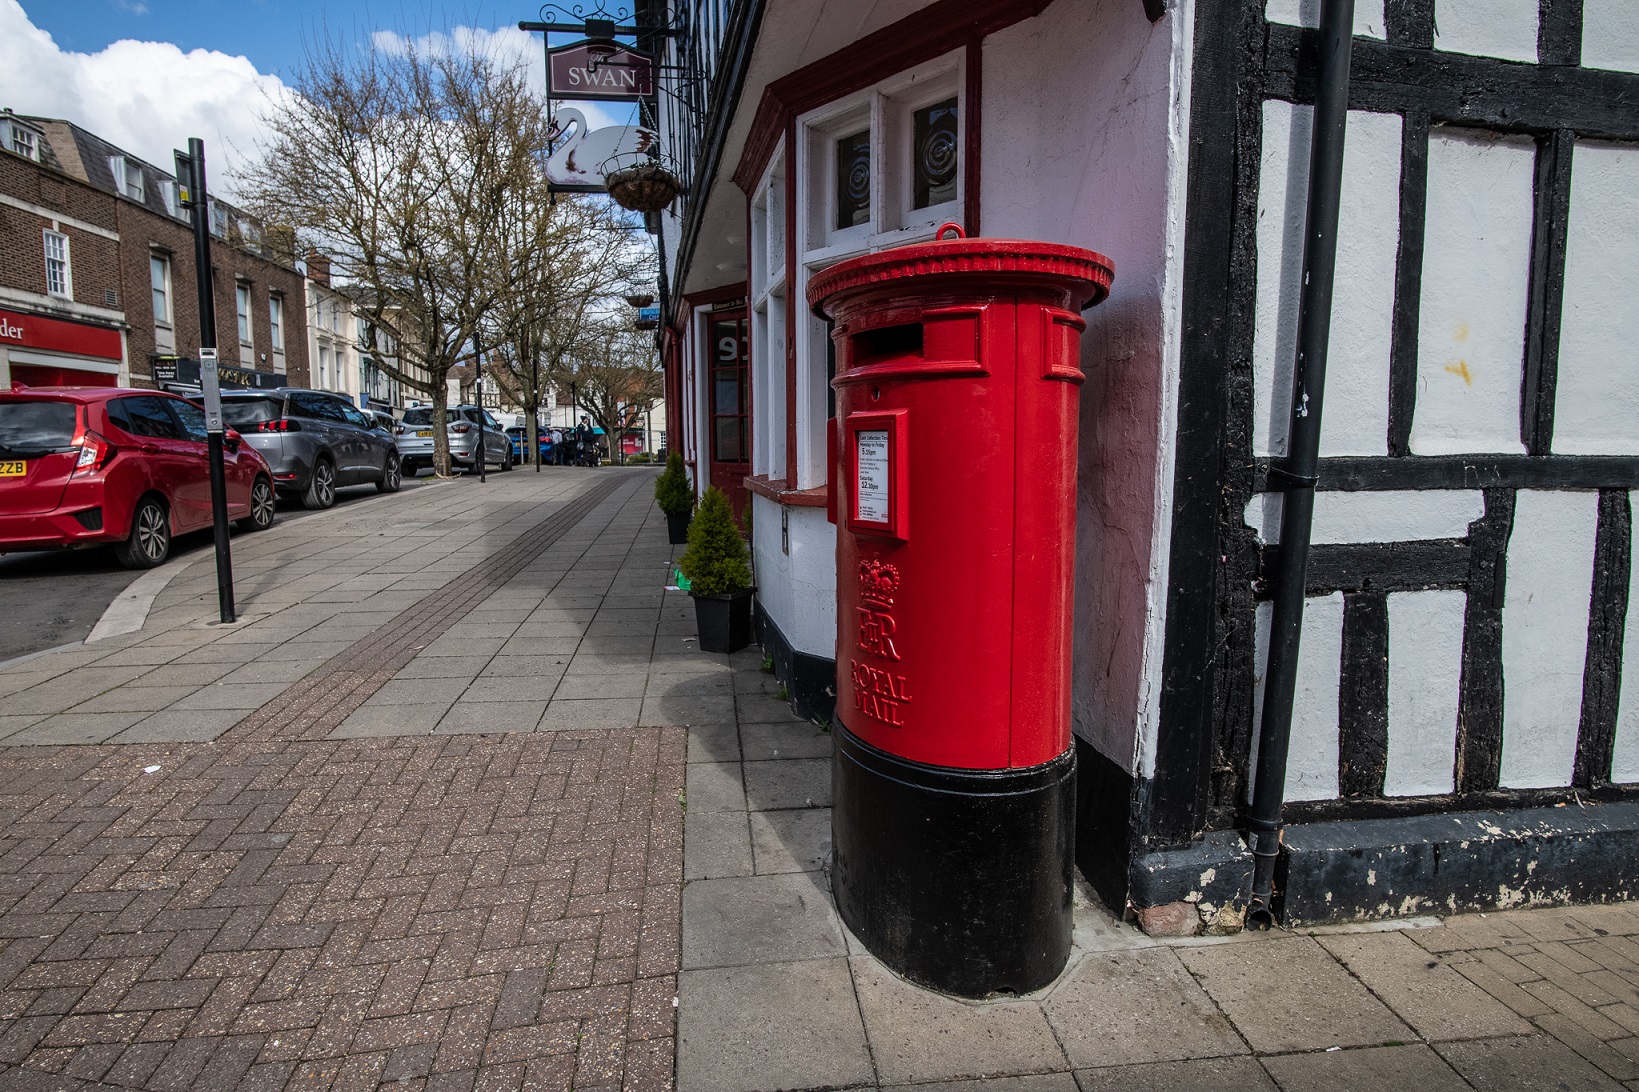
<point>37,351</point>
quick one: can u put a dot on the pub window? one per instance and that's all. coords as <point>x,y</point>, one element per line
<point>935,154</point>
<point>852,168</point>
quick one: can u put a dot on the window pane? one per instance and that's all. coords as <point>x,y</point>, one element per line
<point>158,276</point>
<point>243,296</point>
<point>727,397</point>
<point>276,318</point>
<point>193,419</point>
<point>728,440</point>
<point>854,179</point>
<point>149,417</point>
<point>937,155</point>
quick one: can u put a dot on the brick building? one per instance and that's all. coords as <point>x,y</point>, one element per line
<point>95,237</point>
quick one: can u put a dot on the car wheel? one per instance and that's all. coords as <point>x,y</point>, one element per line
<point>391,476</point>
<point>321,490</point>
<point>149,542</point>
<point>261,507</point>
<point>506,461</point>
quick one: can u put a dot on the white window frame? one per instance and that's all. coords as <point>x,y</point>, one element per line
<point>161,292</point>
<point>23,141</point>
<point>889,107</point>
<point>218,220</point>
<point>766,307</point>
<point>170,191</point>
<point>324,366</point>
<point>243,301</point>
<point>128,181</point>
<point>66,273</point>
<point>276,322</point>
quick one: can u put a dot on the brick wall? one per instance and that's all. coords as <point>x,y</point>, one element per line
<point>94,260</point>
<point>143,232</point>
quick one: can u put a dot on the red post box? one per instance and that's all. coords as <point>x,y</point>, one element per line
<point>953,484</point>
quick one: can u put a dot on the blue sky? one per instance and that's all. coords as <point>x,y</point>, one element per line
<point>148,74</point>
<point>270,33</point>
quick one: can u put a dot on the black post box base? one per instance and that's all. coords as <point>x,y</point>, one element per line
<point>959,880</point>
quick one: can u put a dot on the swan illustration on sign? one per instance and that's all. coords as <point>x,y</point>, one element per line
<point>579,158</point>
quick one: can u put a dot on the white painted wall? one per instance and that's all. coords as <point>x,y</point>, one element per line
<point>1489,28</point>
<point>1389,516</point>
<point>1596,408</point>
<point>1425,677</point>
<point>1625,760</point>
<point>1356,420</point>
<point>1545,635</point>
<point>798,590</point>
<point>1311,759</point>
<point>1610,35</point>
<point>1368,15</point>
<point>1476,261</point>
<point>1102,166</point>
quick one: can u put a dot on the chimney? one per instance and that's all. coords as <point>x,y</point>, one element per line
<point>318,268</point>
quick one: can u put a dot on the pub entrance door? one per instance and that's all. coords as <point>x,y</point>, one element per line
<point>730,435</point>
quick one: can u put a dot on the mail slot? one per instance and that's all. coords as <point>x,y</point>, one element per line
<point>953,489</point>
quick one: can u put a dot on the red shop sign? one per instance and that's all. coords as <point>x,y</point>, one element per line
<point>575,72</point>
<point>58,336</point>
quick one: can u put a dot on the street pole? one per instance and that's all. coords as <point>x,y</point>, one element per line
<point>574,423</point>
<point>478,399</point>
<point>191,172</point>
<point>535,410</point>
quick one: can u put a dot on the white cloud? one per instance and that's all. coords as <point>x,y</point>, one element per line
<point>145,97</point>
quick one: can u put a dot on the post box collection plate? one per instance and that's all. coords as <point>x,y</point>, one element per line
<point>957,387</point>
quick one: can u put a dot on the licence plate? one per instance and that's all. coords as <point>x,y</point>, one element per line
<point>13,468</point>
<point>424,432</point>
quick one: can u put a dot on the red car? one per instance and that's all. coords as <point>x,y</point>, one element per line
<point>83,466</point>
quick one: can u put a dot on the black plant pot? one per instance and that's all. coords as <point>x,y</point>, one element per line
<point>677,527</point>
<point>724,620</point>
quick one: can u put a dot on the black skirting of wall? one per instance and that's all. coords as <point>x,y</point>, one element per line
<point>810,681</point>
<point>1104,835</point>
<point>1461,861</point>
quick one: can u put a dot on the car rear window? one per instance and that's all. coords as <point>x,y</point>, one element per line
<point>246,413</point>
<point>38,427</point>
<point>418,417</point>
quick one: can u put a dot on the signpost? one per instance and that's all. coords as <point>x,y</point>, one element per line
<point>610,73</point>
<point>190,173</point>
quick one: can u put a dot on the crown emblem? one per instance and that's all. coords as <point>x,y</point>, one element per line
<point>877,582</point>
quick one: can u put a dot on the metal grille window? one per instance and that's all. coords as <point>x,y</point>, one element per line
<point>242,294</point>
<point>159,275</point>
<point>276,322</point>
<point>59,276</point>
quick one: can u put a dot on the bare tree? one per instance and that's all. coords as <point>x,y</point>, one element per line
<point>616,374</point>
<point>399,166</point>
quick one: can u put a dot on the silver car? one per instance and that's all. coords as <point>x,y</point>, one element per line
<point>315,442</point>
<point>463,424</point>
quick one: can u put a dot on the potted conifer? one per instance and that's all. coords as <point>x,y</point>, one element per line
<point>675,496</point>
<point>719,576</point>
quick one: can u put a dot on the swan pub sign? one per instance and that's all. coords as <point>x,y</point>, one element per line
<point>577,72</point>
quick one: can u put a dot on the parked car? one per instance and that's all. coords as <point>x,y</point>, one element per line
<point>415,439</point>
<point>519,435</point>
<point>83,466</point>
<point>316,442</point>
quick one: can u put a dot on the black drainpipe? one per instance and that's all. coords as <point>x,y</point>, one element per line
<point>1296,475</point>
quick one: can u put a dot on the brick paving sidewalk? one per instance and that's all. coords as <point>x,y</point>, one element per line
<point>279,904</point>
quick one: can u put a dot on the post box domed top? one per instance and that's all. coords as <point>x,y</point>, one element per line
<point>1086,273</point>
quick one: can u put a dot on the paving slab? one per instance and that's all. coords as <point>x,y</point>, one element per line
<point>1206,1074</point>
<point>1514,1064</point>
<point>1319,1005</point>
<point>715,845</point>
<point>1422,989</point>
<point>1367,1069</point>
<point>918,1035</point>
<point>1122,1008</point>
<point>771,1026</point>
<point>756,919</point>
<point>791,841</point>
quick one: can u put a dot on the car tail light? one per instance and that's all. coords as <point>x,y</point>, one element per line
<point>400,430</point>
<point>461,427</point>
<point>283,424</point>
<point>95,451</point>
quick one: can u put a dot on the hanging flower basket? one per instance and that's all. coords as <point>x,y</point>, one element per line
<point>645,187</point>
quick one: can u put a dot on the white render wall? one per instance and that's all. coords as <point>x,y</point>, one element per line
<point>1476,264</point>
<point>1311,758</point>
<point>1596,404</point>
<point>798,590</point>
<point>1102,166</point>
<point>1425,680</point>
<point>1625,764</point>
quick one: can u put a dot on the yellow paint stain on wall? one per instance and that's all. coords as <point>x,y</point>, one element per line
<point>1461,369</point>
<point>1460,333</point>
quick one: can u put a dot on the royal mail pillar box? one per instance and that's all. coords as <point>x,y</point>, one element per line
<point>953,485</point>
